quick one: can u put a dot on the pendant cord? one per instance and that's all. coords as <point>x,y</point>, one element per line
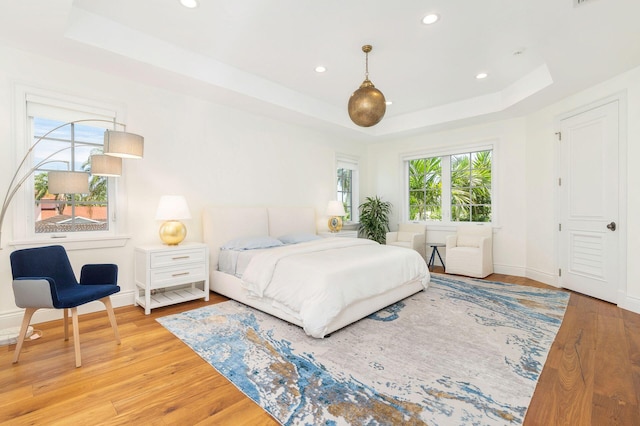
<point>366,74</point>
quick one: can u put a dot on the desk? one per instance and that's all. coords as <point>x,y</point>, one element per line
<point>434,251</point>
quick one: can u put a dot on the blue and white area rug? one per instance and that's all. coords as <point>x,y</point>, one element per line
<point>463,352</point>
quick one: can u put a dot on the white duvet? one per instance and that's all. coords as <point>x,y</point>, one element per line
<point>316,280</point>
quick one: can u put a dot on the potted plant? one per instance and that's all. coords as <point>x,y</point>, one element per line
<point>374,219</point>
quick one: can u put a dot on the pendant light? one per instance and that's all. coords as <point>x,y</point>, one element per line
<point>367,104</point>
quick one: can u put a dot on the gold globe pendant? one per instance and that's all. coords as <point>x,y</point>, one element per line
<point>367,104</point>
<point>172,232</point>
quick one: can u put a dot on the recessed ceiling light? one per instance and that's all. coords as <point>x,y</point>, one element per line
<point>431,18</point>
<point>388,102</point>
<point>481,75</point>
<point>189,3</point>
<point>320,68</point>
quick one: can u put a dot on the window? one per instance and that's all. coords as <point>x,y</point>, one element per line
<point>425,189</point>
<point>347,187</point>
<point>68,148</point>
<point>75,220</point>
<point>471,187</point>
<point>450,188</point>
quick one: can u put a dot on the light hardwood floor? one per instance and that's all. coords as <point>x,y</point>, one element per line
<point>591,377</point>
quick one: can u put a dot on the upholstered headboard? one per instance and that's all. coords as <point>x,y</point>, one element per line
<point>287,220</point>
<point>221,224</point>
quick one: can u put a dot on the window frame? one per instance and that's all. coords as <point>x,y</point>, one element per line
<point>446,154</point>
<point>64,108</point>
<point>350,163</point>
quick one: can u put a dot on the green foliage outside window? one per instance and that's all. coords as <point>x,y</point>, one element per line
<point>345,191</point>
<point>425,189</point>
<point>470,187</point>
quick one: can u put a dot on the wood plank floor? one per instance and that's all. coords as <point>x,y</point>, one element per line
<point>591,377</point>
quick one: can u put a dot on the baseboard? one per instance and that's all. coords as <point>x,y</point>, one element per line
<point>14,318</point>
<point>542,276</point>
<point>629,303</point>
<point>517,271</point>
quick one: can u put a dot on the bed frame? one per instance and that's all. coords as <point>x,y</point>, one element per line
<point>221,224</point>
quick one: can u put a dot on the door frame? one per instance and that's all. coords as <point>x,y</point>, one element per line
<point>621,98</point>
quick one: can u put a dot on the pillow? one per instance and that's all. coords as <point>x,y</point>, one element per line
<point>468,241</point>
<point>299,237</point>
<point>250,243</point>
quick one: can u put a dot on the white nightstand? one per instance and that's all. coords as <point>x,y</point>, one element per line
<point>343,234</point>
<point>159,268</point>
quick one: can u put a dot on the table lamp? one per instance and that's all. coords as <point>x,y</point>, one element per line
<point>172,209</point>
<point>335,210</point>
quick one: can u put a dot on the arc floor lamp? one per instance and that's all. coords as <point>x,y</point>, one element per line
<point>117,145</point>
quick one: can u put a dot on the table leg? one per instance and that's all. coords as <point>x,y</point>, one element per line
<point>432,258</point>
<point>435,249</point>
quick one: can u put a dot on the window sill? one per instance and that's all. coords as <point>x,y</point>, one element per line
<point>75,243</point>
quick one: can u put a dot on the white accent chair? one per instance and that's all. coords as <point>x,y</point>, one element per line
<point>409,235</point>
<point>470,251</point>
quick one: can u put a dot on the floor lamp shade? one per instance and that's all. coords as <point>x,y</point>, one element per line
<point>63,182</point>
<point>172,209</point>
<point>123,144</point>
<point>106,165</point>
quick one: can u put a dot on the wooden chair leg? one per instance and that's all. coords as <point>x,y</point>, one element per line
<point>65,319</point>
<point>76,335</point>
<point>28,314</point>
<point>112,317</point>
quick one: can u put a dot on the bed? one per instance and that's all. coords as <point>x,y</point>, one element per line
<point>340,273</point>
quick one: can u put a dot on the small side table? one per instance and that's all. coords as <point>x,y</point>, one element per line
<point>434,251</point>
<point>163,272</point>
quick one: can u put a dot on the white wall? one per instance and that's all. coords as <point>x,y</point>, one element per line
<point>209,153</point>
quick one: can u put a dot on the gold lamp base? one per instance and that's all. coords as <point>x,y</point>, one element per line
<point>172,232</point>
<point>335,223</point>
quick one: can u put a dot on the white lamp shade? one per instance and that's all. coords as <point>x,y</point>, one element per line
<point>335,208</point>
<point>173,207</point>
<point>64,182</point>
<point>123,144</point>
<point>106,165</point>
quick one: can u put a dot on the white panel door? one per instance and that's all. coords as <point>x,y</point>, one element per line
<point>589,231</point>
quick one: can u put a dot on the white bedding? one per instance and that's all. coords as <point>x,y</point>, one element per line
<point>316,280</point>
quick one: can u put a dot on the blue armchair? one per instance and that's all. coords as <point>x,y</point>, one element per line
<point>43,278</point>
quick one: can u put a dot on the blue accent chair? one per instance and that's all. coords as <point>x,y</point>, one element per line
<point>43,278</point>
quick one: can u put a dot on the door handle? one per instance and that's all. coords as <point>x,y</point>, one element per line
<point>611,226</point>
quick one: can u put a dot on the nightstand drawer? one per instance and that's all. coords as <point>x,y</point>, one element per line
<point>179,275</point>
<point>176,257</point>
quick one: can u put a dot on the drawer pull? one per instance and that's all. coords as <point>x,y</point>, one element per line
<point>180,274</point>
<point>180,257</point>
